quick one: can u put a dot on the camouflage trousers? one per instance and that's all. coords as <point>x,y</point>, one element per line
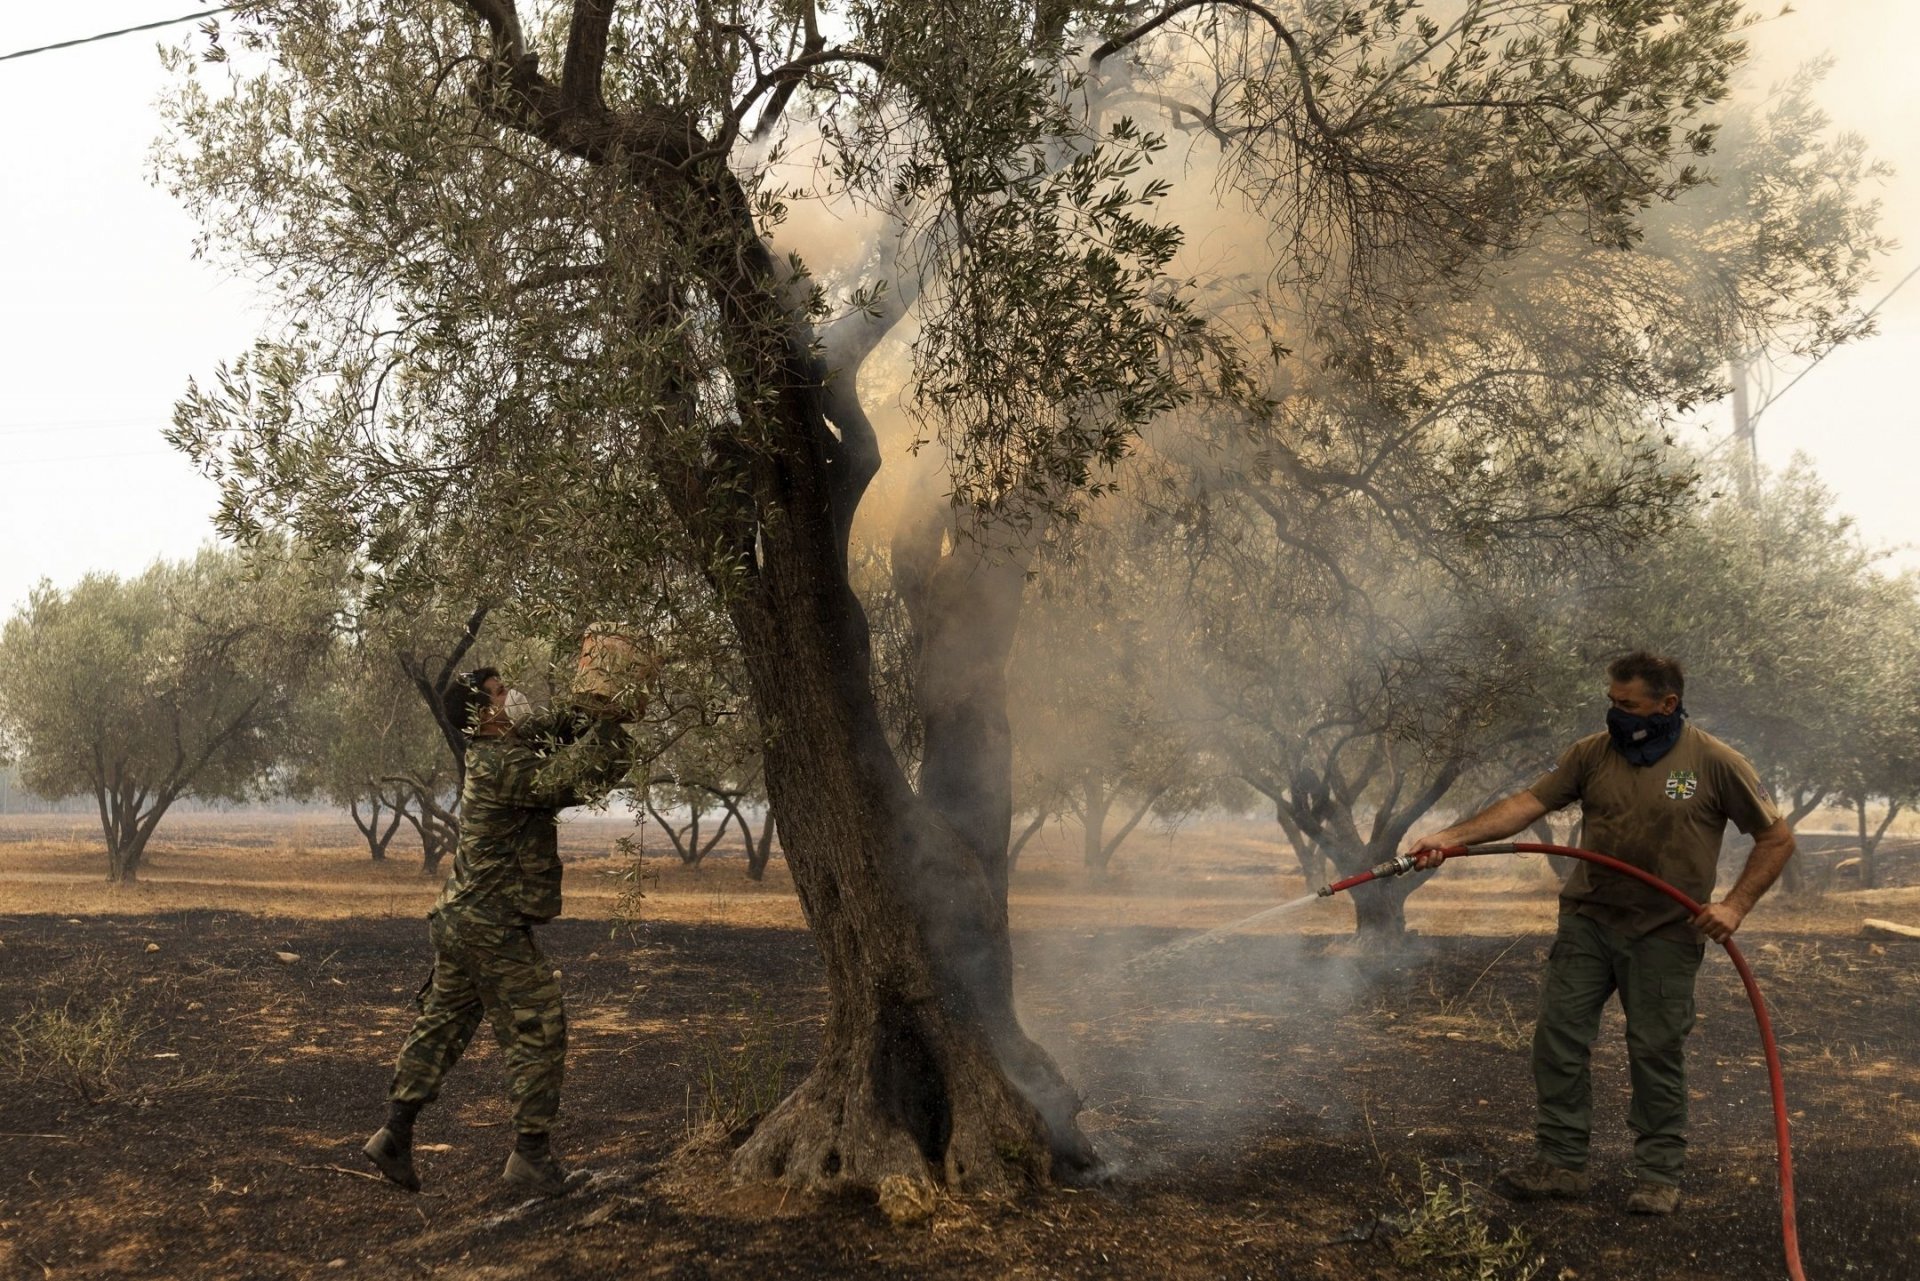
<point>485,968</point>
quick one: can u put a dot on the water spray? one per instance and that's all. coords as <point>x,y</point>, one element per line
<point>1400,866</point>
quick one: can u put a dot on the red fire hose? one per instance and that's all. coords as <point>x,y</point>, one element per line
<point>1789,1233</point>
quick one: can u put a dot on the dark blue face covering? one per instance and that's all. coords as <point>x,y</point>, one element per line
<point>1645,739</point>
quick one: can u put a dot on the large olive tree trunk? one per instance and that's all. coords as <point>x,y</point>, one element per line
<point>924,1068</point>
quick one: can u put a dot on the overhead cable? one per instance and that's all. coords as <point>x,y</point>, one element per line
<point>124,31</point>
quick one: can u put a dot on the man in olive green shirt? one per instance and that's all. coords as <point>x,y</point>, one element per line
<point>1658,793</point>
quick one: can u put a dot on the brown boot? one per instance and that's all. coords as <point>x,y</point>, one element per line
<point>1649,1197</point>
<point>393,1157</point>
<point>541,1174</point>
<point>1538,1179</point>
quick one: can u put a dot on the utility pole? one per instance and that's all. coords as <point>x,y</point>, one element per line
<point>1746,443</point>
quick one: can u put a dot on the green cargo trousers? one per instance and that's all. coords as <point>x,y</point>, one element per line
<point>496,970</point>
<point>1654,978</point>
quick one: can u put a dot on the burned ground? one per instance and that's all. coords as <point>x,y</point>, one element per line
<point>1267,1104</point>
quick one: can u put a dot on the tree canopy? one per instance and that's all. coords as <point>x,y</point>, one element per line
<point>181,682</point>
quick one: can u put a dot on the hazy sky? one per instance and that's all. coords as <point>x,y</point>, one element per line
<point>104,315</point>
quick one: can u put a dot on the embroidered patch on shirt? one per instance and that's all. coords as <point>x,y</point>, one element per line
<point>1682,784</point>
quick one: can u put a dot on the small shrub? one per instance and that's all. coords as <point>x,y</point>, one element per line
<point>90,1052</point>
<point>1449,1238</point>
<point>736,1082</point>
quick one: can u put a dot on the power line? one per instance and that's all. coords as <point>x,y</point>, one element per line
<point>1867,315</point>
<point>89,424</point>
<point>124,31</point>
<point>94,458</point>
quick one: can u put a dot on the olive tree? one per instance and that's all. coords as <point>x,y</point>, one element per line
<point>1096,735</point>
<point>183,681</point>
<point>537,302</point>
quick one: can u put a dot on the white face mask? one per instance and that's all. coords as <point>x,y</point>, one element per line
<point>519,707</point>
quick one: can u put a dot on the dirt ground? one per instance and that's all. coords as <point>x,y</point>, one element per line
<point>1267,1103</point>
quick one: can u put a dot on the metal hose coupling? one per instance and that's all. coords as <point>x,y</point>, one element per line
<point>1379,871</point>
<point>1394,866</point>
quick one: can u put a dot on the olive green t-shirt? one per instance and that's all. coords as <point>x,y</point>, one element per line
<point>1666,818</point>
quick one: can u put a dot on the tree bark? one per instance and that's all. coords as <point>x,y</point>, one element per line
<point>924,1069</point>
<point>1093,829</point>
<point>963,597</point>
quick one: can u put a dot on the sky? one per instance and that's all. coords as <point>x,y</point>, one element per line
<point>105,313</point>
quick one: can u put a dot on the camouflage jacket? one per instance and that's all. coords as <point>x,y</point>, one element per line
<point>507,868</point>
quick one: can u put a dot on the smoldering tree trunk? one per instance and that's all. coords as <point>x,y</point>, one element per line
<point>1379,907</point>
<point>924,1068</point>
<point>964,601</point>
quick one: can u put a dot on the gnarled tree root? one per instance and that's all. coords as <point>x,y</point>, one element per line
<point>907,1095</point>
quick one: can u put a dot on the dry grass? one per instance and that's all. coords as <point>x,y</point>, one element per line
<point>93,1033</point>
<point>740,1072</point>
<point>87,1049</point>
<point>1480,1013</point>
<point>1201,876</point>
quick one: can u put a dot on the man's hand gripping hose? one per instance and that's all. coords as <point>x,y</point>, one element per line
<point>1789,1231</point>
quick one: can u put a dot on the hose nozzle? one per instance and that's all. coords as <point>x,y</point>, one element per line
<point>1379,871</point>
<point>1394,866</point>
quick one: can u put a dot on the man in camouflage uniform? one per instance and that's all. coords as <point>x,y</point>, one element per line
<point>506,880</point>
